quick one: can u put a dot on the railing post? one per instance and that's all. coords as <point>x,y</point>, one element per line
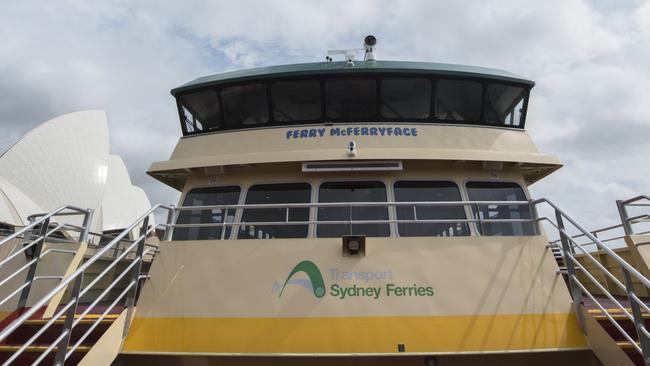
<point>350,218</point>
<point>576,292</point>
<point>62,351</point>
<point>480,227</point>
<point>625,218</point>
<point>639,324</point>
<point>32,268</point>
<point>135,273</point>
<point>534,217</point>
<point>88,217</point>
<point>169,228</point>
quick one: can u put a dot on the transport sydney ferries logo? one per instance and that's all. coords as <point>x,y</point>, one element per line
<point>348,284</point>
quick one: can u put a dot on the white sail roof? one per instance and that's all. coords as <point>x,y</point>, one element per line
<point>65,161</point>
<point>123,202</point>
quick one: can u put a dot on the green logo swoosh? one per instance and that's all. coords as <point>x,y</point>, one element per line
<point>312,271</point>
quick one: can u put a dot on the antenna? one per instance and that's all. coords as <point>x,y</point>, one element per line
<point>350,54</point>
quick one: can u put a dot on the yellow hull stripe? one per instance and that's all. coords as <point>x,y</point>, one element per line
<point>355,334</point>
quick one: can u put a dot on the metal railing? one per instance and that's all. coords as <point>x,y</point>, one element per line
<point>472,214</point>
<point>515,213</point>
<point>42,228</point>
<point>627,221</point>
<point>73,284</point>
<point>574,251</point>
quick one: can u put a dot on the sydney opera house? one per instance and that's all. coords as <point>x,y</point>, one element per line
<point>37,175</point>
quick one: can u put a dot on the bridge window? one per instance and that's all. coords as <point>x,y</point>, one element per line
<point>352,192</point>
<point>211,196</point>
<point>275,194</point>
<point>405,98</point>
<point>500,191</point>
<point>351,98</point>
<point>458,100</point>
<point>298,100</point>
<point>201,111</point>
<point>504,104</point>
<point>245,105</point>
<point>429,191</point>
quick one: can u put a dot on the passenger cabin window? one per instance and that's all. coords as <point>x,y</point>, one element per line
<point>296,100</point>
<point>429,191</point>
<point>504,104</point>
<point>275,194</point>
<point>245,105</point>
<point>212,196</point>
<point>201,111</point>
<point>458,100</point>
<point>405,98</point>
<point>500,191</point>
<point>331,192</point>
<point>351,98</point>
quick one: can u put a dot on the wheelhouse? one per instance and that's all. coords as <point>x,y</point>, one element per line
<point>369,91</point>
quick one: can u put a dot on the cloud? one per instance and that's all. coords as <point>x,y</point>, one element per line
<point>588,58</point>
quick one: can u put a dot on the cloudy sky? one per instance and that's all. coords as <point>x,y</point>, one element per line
<point>590,60</point>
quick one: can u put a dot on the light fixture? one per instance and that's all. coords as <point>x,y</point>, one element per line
<point>353,245</point>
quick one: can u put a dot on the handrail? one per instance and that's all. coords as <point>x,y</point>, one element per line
<point>44,217</point>
<point>628,221</point>
<point>352,204</point>
<point>75,279</point>
<point>641,340</point>
<point>33,245</point>
<point>569,245</point>
<point>599,244</point>
<point>472,205</point>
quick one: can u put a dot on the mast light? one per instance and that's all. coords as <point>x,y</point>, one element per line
<point>369,44</point>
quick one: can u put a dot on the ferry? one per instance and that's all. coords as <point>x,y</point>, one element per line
<point>354,212</point>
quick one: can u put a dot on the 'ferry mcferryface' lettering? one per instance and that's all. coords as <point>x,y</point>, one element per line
<point>352,131</point>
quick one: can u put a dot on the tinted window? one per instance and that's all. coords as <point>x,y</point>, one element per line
<point>245,105</point>
<point>458,100</point>
<point>354,98</point>
<point>405,98</point>
<point>352,192</point>
<point>419,191</point>
<point>212,196</point>
<point>500,191</point>
<point>504,104</point>
<point>296,100</point>
<point>201,111</point>
<point>271,194</point>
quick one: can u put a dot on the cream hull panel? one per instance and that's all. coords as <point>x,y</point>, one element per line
<point>431,142</point>
<point>465,294</point>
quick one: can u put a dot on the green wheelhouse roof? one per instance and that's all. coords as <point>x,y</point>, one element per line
<point>324,68</point>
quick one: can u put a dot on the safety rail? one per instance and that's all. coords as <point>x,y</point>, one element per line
<point>32,247</point>
<point>473,214</point>
<point>77,291</point>
<point>627,221</point>
<point>526,213</point>
<point>571,250</point>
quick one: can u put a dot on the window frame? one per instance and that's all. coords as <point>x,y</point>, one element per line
<point>524,188</point>
<point>237,216</point>
<point>378,77</point>
<point>244,196</point>
<point>315,184</point>
<point>389,195</point>
<point>271,107</point>
<point>463,196</point>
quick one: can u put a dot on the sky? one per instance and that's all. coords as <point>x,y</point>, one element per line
<point>589,59</point>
